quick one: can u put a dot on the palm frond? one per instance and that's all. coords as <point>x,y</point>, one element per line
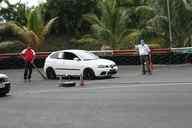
<point>144,10</point>
<point>93,19</point>
<point>48,26</point>
<point>187,5</point>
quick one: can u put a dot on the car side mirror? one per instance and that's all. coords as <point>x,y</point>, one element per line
<point>76,59</point>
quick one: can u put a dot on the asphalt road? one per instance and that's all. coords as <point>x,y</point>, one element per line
<point>129,100</point>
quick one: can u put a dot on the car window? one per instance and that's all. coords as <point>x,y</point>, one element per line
<point>69,56</point>
<point>88,56</point>
<point>54,55</point>
<point>60,55</point>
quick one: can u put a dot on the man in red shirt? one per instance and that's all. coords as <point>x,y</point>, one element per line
<point>28,55</point>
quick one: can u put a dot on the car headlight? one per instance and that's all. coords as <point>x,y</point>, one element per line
<point>113,65</point>
<point>102,66</point>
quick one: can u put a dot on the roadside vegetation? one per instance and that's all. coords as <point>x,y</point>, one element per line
<point>94,24</point>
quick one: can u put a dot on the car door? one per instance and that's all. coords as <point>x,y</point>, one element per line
<point>59,64</point>
<point>69,64</point>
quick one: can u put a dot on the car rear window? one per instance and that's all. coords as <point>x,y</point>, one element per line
<point>54,55</point>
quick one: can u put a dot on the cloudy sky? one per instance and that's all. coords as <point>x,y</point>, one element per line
<point>29,2</point>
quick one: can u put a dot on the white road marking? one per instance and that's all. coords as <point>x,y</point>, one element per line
<point>62,89</point>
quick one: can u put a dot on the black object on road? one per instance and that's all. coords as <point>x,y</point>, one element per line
<point>67,84</point>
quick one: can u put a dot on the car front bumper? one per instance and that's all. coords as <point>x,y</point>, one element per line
<point>5,88</point>
<point>106,71</point>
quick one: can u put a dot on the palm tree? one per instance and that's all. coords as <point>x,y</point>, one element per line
<point>110,27</point>
<point>180,21</point>
<point>140,13</point>
<point>34,31</point>
<point>121,23</point>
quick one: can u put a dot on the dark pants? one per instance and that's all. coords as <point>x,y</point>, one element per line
<point>145,59</point>
<point>28,70</point>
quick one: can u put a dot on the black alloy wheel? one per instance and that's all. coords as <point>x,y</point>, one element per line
<point>88,74</point>
<point>50,73</point>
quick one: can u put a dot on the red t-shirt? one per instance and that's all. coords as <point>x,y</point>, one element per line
<point>28,54</point>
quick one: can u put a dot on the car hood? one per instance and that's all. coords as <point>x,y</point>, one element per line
<point>101,62</point>
<point>3,76</point>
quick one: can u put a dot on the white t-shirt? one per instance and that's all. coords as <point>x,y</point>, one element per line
<point>143,49</point>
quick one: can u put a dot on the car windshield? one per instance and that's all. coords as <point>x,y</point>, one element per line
<point>88,56</point>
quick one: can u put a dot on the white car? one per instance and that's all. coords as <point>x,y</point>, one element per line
<point>4,84</point>
<point>77,62</point>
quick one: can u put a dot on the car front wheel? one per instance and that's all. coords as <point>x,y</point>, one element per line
<point>50,73</point>
<point>88,74</point>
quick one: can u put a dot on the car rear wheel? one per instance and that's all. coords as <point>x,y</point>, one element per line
<point>50,73</point>
<point>88,74</point>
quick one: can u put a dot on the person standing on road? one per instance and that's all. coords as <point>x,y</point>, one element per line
<point>144,53</point>
<point>28,55</point>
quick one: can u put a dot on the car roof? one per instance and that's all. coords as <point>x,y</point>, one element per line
<point>73,51</point>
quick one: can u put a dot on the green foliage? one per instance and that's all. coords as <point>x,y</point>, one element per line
<point>87,43</point>
<point>110,27</point>
<point>180,21</point>
<point>34,31</point>
<point>35,21</point>
<point>9,46</point>
<point>70,14</point>
<point>53,43</point>
<point>14,12</point>
<point>121,23</point>
<point>181,26</point>
<point>36,24</point>
<point>188,4</point>
<point>91,24</point>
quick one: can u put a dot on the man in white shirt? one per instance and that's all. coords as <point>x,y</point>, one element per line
<point>144,53</point>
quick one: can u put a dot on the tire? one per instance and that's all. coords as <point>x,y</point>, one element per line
<point>4,91</point>
<point>88,74</point>
<point>50,73</point>
<point>109,76</point>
